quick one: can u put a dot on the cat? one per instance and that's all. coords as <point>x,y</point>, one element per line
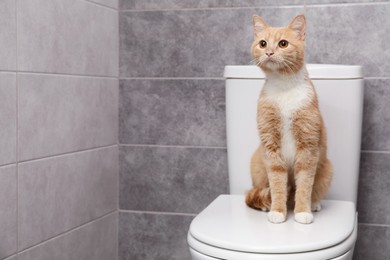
<point>290,168</point>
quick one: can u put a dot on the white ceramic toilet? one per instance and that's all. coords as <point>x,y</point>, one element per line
<point>228,229</point>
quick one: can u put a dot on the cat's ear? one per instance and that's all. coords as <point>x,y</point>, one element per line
<point>258,24</point>
<point>298,25</point>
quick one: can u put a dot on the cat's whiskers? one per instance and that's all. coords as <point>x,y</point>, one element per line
<point>290,65</point>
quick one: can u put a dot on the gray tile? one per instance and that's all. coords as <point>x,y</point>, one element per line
<point>179,4</point>
<point>72,36</point>
<point>376,119</point>
<point>310,2</point>
<point>151,236</point>
<point>173,112</point>
<point>59,114</point>
<point>8,217</point>
<point>341,35</point>
<point>196,43</point>
<point>95,241</point>
<point>372,243</point>
<point>374,192</point>
<point>14,257</point>
<point>109,3</point>
<point>8,35</point>
<point>173,179</point>
<point>60,193</point>
<point>7,117</point>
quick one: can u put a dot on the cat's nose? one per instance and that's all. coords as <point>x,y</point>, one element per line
<point>269,54</point>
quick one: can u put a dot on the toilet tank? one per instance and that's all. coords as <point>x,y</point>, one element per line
<point>340,94</point>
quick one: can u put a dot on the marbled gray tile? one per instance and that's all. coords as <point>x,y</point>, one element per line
<point>173,179</point>
<point>7,117</point>
<point>172,112</point>
<point>59,114</point>
<point>109,3</point>
<point>196,43</point>
<point>179,4</point>
<point>8,35</point>
<point>372,243</point>
<point>60,193</point>
<point>310,2</point>
<point>342,35</point>
<point>73,37</point>
<point>14,257</point>
<point>153,236</point>
<point>8,231</point>
<point>95,241</point>
<point>376,117</point>
<point>374,192</point>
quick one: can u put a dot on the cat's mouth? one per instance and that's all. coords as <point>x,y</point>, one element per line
<point>271,63</point>
<point>270,60</point>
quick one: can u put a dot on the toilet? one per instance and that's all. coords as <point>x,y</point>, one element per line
<point>228,229</point>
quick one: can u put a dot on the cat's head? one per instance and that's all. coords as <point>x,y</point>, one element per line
<point>279,50</point>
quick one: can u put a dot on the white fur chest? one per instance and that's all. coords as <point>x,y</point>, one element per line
<point>289,96</point>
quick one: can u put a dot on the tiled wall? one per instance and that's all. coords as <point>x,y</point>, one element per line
<point>172,124</point>
<point>59,122</point>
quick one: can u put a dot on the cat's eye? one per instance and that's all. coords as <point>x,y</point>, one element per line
<point>283,44</point>
<point>262,44</point>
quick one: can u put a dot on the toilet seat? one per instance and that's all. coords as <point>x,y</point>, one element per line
<point>228,229</point>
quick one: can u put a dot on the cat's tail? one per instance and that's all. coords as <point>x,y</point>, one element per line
<point>259,198</point>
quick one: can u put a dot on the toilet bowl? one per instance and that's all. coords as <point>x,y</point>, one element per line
<point>228,229</point>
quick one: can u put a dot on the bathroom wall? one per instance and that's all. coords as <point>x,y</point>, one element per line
<point>172,124</point>
<point>58,137</point>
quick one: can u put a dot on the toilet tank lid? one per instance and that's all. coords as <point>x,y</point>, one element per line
<point>316,71</point>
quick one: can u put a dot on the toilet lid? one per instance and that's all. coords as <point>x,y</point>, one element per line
<point>228,223</point>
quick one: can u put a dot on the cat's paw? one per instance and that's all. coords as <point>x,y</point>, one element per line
<point>316,206</point>
<point>276,217</point>
<point>304,217</point>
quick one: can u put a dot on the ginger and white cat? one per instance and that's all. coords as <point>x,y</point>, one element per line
<point>290,166</point>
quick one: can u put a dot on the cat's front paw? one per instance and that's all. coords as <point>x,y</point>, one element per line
<point>276,217</point>
<point>304,217</point>
<point>316,206</point>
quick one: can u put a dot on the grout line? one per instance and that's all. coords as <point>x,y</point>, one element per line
<point>59,74</point>
<point>347,4</point>
<point>117,137</point>
<point>173,146</point>
<point>171,78</point>
<point>17,159</point>
<point>201,78</point>
<point>374,225</point>
<point>376,77</point>
<point>17,127</point>
<point>157,213</point>
<point>68,153</point>
<point>10,256</point>
<point>68,231</point>
<point>8,164</point>
<point>373,151</point>
<point>211,8</point>
<point>102,5</point>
